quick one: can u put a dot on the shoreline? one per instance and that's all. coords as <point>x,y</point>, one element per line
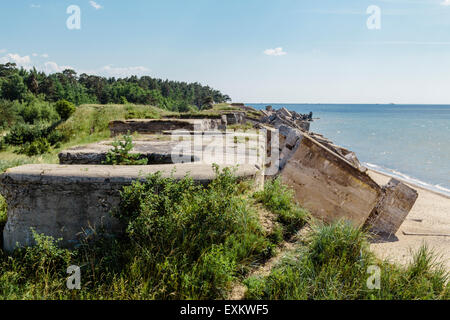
<point>411,184</point>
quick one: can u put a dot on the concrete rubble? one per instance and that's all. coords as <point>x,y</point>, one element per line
<point>330,182</point>
<point>277,118</point>
<point>67,200</point>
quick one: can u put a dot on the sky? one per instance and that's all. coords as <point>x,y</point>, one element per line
<point>268,51</point>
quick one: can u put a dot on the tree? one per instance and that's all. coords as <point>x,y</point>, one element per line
<point>7,69</point>
<point>208,102</point>
<point>14,88</point>
<point>65,109</point>
<point>32,82</point>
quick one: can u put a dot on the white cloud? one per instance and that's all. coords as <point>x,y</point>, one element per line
<point>24,61</point>
<point>52,67</point>
<point>106,71</point>
<point>445,3</point>
<point>275,52</point>
<point>95,5</point>
<point>35,5</point>
<point>2,50</point>
<point>111,71</point>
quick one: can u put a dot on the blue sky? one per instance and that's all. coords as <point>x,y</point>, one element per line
<point>312,51</point>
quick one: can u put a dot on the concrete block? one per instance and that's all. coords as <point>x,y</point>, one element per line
<point>395,203</point>
<point>329,186</point>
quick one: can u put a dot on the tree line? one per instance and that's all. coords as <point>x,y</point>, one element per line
<point>25,85</point>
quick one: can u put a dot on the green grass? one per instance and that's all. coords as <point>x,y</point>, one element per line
<point>279,199</point>
<point>88,124</point>
<point>334,264</point>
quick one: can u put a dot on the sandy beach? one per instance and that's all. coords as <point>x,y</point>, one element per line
<point>430,215</point>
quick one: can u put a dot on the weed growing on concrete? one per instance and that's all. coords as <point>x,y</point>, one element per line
<point>120,154</point>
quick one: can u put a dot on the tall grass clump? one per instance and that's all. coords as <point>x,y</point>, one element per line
<point>193,241</point>
<point>279,199</point>
<point>36,272</point>
<point>334,265</point>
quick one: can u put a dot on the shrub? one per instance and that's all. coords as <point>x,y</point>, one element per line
<point>37,147</point>
<point>23,133</point>
<point>8,113</point>
<point>120,154</point>
<point>65,109</point>
<point>55,137</point>
<point>38,111</point>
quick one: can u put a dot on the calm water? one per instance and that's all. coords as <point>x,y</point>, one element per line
<point>409,141</point>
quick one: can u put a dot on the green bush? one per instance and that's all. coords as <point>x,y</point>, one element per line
<point>120,154</point>
<point>37,147</point>
<point>192,239</point>
<point>23,133</point>
<point>38,111</point>
<point>8,113</point>
<point>279,199</point>
<point>65,109</point>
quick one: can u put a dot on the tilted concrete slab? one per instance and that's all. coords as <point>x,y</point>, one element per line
<point>393,207</point>
<point>67,201</point>
<point>328,185</point>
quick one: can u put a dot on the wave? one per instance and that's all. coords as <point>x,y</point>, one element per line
<point>397,174</point>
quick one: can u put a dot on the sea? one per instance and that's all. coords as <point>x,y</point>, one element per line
<point>410,142</point>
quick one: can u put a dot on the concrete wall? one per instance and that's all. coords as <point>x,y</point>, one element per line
<point>68,201</point>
